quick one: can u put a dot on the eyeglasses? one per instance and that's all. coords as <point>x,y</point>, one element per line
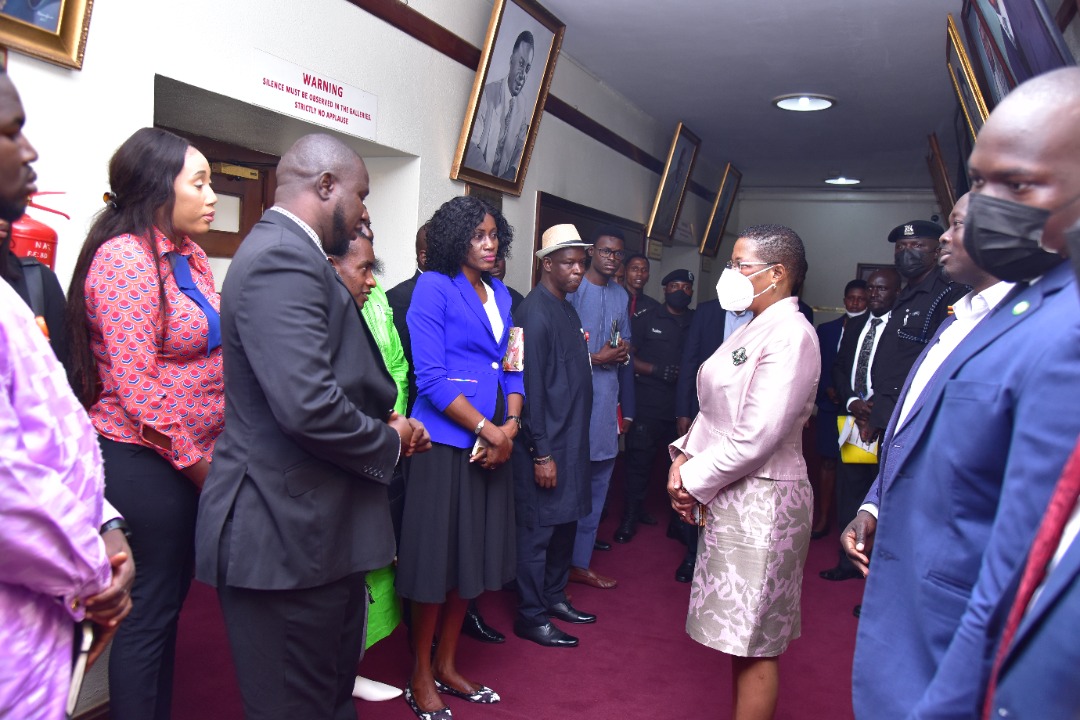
<point>741,266</point>
<point>609,253</point>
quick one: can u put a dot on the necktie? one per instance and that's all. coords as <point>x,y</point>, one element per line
<point>501,147</point>
<point>862,369</point>
<point>182,275</point>
<point>1046,542</point>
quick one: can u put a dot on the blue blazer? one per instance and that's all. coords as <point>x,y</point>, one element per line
<point>963,485</point>
<point>454,353</point>
<point>1038,675</point>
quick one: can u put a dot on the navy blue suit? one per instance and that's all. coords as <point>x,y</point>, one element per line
<point>963,485</point>
<point>705,335</point>
<point>829,341</point>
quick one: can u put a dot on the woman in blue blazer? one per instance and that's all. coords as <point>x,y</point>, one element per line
<point>458,526</point>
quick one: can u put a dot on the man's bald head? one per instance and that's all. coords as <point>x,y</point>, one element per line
<point>313,155</point>
<point>1028,151</point>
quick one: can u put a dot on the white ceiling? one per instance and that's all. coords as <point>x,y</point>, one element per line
<point>717,64</point>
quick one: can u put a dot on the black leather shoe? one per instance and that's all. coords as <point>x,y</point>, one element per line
<point>568,613</point>
<point>646,519</point>
<point>627,530</point>
<point>857,611</point>
<point>475,627</point>
<point>547,635</point>
<point>818,534</point>
<point>685,572</point>
<point>601,545</point>
<point>837,574</point>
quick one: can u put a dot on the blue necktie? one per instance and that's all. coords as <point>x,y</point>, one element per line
<point>182,275</point>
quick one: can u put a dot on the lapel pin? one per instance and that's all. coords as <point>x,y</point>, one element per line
<point>1021,307</point>
<point>739,356</point>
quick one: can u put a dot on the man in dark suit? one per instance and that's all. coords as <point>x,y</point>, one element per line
<point>826,436</point>
<point>552,471</point>
<point>972,456</point>
<point>295,508</point>
<point>399,297</point>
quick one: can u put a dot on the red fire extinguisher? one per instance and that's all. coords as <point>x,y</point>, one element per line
<point>32,238</point>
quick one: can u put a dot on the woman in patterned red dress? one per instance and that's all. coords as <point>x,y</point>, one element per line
<point>146,362</point>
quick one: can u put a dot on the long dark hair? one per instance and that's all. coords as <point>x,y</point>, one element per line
<point>450,230</point>
<point>142,172</point>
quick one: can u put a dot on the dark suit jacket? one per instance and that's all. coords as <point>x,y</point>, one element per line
<point>963,484</point>
<point>1038,675</point>
<point>456,354</point>
<point>400,297</point>
<point>303,463</point>
<point>705,335</point>
<point>843,378</point>
<point>829,339</point>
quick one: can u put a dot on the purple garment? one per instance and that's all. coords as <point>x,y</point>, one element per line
<point>51,506</point>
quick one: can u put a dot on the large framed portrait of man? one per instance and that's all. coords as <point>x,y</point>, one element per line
<point>508,96</point>
<point>673,183</point>
<point>50,30</point>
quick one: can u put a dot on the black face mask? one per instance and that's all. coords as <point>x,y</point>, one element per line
<point>912,263</point>
<point>1004,239</point>
<point>678,299</point>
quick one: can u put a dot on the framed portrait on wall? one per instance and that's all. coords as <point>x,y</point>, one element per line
<point>963,80</point>
<point>721,212</point>
<point>939,175</point>
<point>508,96</point>
<point>673,182</point>
<point>50,30</point>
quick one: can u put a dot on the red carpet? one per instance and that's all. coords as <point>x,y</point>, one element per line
<point>635,662</point>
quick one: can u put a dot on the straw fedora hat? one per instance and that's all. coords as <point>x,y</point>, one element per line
<point>558,237</point>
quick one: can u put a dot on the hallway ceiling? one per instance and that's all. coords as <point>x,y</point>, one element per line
<point>717,64</point>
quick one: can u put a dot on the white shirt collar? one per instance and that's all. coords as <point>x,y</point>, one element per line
<point>303,226</point>
<point>974,306</point>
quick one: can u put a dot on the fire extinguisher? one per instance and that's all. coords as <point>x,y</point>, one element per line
<point>32,238</point>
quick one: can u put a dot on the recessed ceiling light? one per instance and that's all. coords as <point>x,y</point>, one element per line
<point>804,102</point>
<point>841,180</point>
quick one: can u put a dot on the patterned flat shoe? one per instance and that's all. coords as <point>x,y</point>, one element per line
<point>484,695</point>
<point>442,713</point>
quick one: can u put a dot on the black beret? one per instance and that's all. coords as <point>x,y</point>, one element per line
<point>916,228</point>
<point>679,275</point>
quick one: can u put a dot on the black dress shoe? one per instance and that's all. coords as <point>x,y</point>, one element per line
<point>838,573</point>
<point>568,613</point>
<point>601,545</point>
<point>547,635</point>
<point>857,611</point>
<point>818,534</point>
<point>685,572</point>
<point>627,530</point>
<point>475,627</point>
<point>646,519</point>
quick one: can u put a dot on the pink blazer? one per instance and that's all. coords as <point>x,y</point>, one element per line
<point>756,393</point>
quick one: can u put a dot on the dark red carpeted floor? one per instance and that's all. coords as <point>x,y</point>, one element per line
<point>635,662</point>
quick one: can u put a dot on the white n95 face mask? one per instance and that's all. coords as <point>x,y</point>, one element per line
<point>735,291</point>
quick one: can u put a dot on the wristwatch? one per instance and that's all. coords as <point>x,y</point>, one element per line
<point>479,426</point>
<point>117,523</point>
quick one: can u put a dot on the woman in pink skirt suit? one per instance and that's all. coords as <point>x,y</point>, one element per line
<point>741,466</point>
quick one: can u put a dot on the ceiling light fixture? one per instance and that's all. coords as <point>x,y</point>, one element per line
<point>804,102</point>
<point>841,180</point>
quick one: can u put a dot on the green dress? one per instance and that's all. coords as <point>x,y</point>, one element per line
<point>384,613</point>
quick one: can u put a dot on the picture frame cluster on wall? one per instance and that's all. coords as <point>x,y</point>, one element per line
<point>963,80</point>
<point>721,212</point>
<point>51,30</point>
<point>508,96</point>
<point>674,180</point>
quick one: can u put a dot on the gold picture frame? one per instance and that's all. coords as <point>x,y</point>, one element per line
<point>963,80</point>
<point>721,212</point>
<point>529,37</point>
<point>939,175</point>
<point>678,169</point>
<point>60,40</point>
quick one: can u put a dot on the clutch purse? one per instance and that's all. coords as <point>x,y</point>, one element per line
<point>853,450</point>
<point>514,360</point>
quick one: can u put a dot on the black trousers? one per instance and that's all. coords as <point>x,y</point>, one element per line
<point>543,568</point>
<point>647,436</point>
<point>160,505</point>
<point>853,481</point>
<point>296,651</point>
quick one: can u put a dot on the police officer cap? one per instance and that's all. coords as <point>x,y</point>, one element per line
<point>679,275</point>
<point>916,229</point>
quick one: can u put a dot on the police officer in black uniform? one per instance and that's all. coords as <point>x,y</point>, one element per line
<point>659,335</point>
<point>922,305</point>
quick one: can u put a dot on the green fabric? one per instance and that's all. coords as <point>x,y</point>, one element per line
<point>384,612</point>
<point>380,321</point>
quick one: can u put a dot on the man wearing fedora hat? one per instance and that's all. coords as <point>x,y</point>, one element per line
<point>551,454</point>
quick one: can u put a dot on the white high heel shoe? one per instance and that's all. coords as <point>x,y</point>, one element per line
<point>373,690</point>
